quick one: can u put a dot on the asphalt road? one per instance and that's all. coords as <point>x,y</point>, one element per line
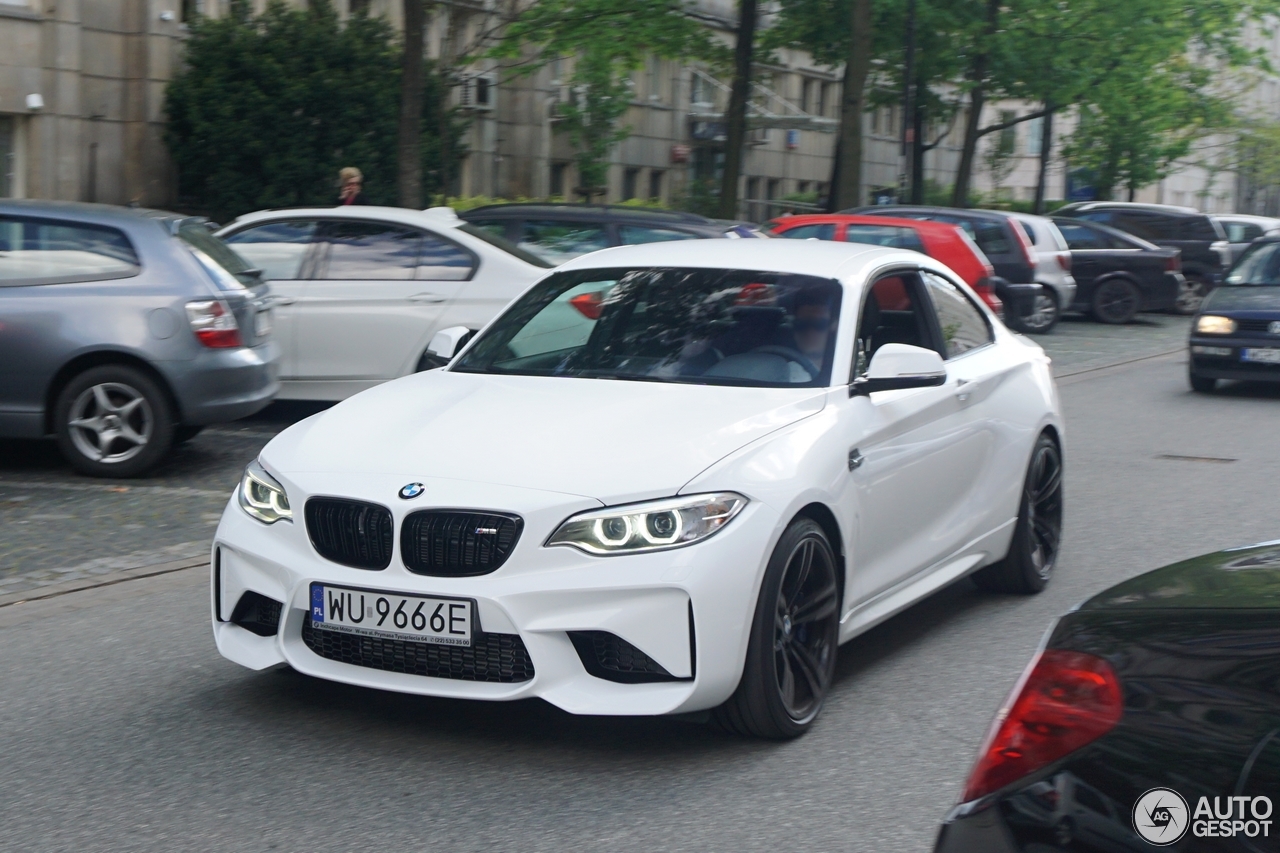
<point>122,729</point>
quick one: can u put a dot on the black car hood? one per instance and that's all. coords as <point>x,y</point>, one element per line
<point>1243,298</point>
<point>1243,578</point>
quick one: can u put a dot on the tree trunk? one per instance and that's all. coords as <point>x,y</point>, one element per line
<point>409,138</point>
<point>907,152</point>
<point>1046,151</point>
<point>848,190</point>
<point>917,150</point>
<point>977,99</point>
<point>735,134</point>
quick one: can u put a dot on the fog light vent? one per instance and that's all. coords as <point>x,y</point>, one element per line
<point>612,658</point>
<point>258,614</point>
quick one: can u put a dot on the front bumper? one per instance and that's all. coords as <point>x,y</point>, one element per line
<point>690,609</point>
<point>1220,357</point>
<point>221,385</point>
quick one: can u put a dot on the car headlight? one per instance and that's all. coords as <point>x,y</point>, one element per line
<point>262,496</point>
<point>1210,324</point>
<point>651,526</point>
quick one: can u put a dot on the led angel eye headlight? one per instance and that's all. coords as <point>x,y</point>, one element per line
<point>262,496</point>
<point>652,526</point>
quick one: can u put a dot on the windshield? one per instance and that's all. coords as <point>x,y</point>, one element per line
<point>505,245</point>
<point>1260,265</point>
<point>703,326</point>
<point>225,267</point>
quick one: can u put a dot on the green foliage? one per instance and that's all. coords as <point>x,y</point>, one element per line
<point>609,40</point>
<point>269,108</point>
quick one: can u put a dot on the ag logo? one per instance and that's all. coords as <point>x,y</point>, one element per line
<point>412,490</point>
<point>1160,816</point>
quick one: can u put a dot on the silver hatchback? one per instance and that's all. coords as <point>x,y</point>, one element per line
<point>123,331</point>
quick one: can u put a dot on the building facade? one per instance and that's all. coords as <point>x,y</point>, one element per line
<point>82,92</point>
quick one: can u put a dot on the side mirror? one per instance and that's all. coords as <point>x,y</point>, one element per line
<point>898,366</point>
<point>446,343</point>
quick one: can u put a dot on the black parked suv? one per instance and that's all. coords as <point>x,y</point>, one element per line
<point>559,232</point>
<point>1206,254</point>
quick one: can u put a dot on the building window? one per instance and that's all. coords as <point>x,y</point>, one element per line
<point>1008,136</point>
<point>189,10</point>
<point>655,184</point>
<point>1035,136</point>
<point>630,178</point>
<point>556,186</point>
<point>802,187</point>
<point>806,92</point>
<point>773,187</point>
<point>8,157</point>
<point>824,99</point>
<point>358,7</point>
<point>654,84</point>
<point>700,92</point>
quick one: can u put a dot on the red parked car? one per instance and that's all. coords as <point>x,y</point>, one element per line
<point>942,240</point>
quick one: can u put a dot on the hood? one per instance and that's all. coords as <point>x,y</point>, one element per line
<point>1242,298</point>
<point>611,440</point>
<point>1237,578</point>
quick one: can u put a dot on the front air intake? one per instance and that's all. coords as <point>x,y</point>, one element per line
<point>257,614</point>
<point>352,533</point>
<point>456,542</point>
<point>612,658</point>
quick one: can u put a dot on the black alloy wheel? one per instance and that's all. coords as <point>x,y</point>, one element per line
<point>1037,536</point>
<point>1115,301</point>
<point>113,421</point>
<point>1191,293</point>
<point>791,655</point>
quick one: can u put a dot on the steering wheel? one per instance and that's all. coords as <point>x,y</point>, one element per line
<point>794,356</point>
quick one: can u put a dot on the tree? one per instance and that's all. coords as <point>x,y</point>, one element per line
<point>608,39</point>
<point>267,109</point>
<point>735,134</point>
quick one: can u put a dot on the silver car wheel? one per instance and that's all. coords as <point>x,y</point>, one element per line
<point>1044,311</point>
<point>1190,294</point>
<point>111,422</point>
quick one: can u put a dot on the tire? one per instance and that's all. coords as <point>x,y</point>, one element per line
<point>1191,294</point>
<point>1115,301</point>
<point>1042,317</point>
<point>1037,536</point>
<point>113,421</point>
<point>1201,384</point>
<point>791,654</point>
<point>185,433</point>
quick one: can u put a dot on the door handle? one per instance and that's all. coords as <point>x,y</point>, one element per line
<point>427,298</point>
<point>856,459</point>
<point>962,393</point>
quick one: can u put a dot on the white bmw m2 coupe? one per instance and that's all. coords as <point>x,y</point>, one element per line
<point>667,478</point>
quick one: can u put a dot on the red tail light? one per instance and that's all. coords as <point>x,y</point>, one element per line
<point>589,305</point>
<point>1064,261</point>
<point>1174,264</point>
<point>214,324</point>
<point>1064,701</point>
<point>987,294</point>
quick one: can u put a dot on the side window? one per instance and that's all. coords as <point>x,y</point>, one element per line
<point>890,315</point>
<point>893,236</point>
<point>370,250</point>
<point>496,227</point>
<point>990,236</point>
<point>558,242</point>
<point>1241,232</point>
<point>963,326</point>
<point>633,235</point>
<point>38,251</point>
<point>819,231</point>
<point>1142,225</point>
<point>1083,237</point>
<point>1195,228</point>
<point>444,260</point>
<point>276,248</point>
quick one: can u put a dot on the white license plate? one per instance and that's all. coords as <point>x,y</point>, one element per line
<point>1266,355</point>
<point>262,323</point>
<point>446,621</point>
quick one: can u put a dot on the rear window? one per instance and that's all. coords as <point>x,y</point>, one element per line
<point>227,269</point>
<point>991,237</point>
<point>44,251</point>
<point>492,235</point>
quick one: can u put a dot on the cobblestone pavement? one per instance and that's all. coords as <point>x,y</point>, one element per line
<point>56,526</point>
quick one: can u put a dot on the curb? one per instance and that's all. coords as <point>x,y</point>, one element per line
<point>1087,370</point>
<point>121,576</point>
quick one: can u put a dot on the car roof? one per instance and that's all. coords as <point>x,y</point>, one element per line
<point>804,257</point>
<point>101,214</point>
<point>1247,217</point>
<point>976,213</point>
<point>440,217</point>
<point>923,225</point>
<point>596,211</point>
<point>1131,205</point>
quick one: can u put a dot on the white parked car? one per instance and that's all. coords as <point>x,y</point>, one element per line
<point>358,292</point>
<point>667,478</point>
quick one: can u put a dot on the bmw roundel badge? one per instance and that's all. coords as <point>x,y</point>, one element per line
<point>412,490</point>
